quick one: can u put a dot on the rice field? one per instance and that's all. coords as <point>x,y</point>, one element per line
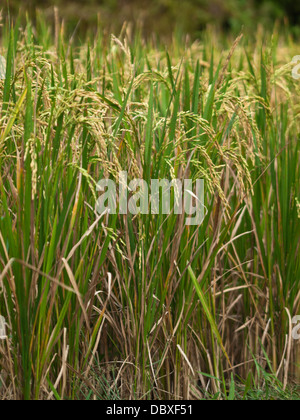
<point>143,306</point>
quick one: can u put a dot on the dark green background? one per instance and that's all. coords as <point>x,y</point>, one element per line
<point>162,15</point>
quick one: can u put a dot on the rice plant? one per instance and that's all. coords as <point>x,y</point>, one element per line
<point>140,306</point>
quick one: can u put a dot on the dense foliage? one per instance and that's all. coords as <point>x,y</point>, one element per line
<point>162,15</point>
<point>144,306</point>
